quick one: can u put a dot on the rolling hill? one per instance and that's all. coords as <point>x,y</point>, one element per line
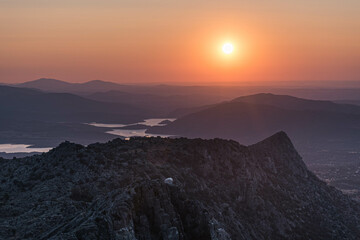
<point>249,119</point>
<point>29,104</point>
<point>295,103</point>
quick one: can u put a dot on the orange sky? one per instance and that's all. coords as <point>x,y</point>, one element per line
<point>175,41</point>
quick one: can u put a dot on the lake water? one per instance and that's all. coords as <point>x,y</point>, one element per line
<point>135,132</point>
<point>151,122</point>
<point>21,148</point>
<point>156,121</point>
<point>107,125</point>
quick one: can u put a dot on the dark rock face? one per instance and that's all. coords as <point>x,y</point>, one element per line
<point>220,190</point>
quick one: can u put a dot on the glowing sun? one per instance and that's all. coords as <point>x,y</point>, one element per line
<point>228,48</point>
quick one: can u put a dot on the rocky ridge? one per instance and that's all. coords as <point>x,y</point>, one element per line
<point>219,190</point>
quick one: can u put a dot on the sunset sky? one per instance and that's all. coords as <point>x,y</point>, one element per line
<point>172,41</point>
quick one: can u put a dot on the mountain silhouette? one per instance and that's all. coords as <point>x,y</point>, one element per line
<point>36,105</point>
<point>294,103</point>
<point>54,85</point>
<point>250,119</point>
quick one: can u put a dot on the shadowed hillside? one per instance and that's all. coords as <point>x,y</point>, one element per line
<point>27,104</point>
<point>249,122</point>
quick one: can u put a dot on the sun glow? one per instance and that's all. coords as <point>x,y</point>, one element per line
<point>228,48</point>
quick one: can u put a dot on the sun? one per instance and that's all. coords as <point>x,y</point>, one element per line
<point>228,48</point>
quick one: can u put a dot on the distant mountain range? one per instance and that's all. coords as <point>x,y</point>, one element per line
<point>45,119</point>
<point>174,101</point>
<point>99,86</point>
<point>295,103</point>
<point>251,118</point>
<point>54,85</point>
<point>28,104</point>
<point>160,100</point>
<point>152,188</point>
<point>217,93</point>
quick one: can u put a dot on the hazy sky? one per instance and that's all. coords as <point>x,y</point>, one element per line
<point>177,41</point>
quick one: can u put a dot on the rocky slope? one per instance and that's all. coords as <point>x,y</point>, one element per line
<point>219,190</point>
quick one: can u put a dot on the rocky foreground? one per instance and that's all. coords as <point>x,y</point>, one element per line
<point>219,190</point>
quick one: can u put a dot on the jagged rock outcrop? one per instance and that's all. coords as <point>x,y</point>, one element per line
<point>220,190</point>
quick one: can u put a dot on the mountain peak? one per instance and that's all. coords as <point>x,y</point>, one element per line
<point>280,150</point>
<point>46,80</point>
<point>279,138</point>
<point>97,81</point>
<point>263,97</point>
